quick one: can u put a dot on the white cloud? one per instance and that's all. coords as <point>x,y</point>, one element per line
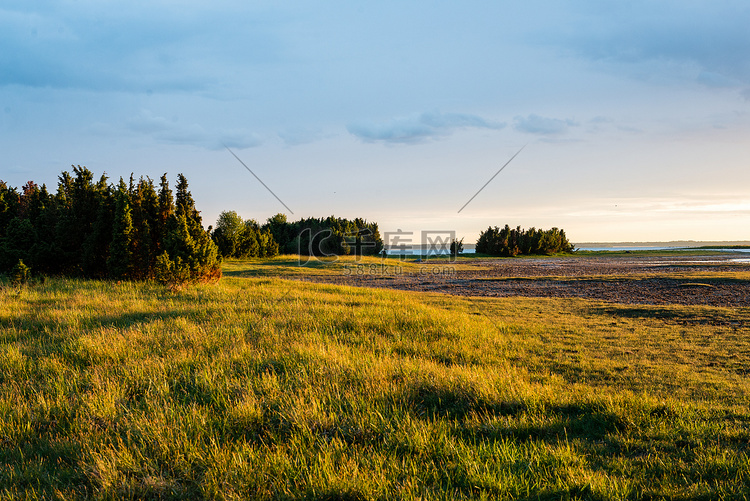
<point>534,124</point>
<point>420,128</point>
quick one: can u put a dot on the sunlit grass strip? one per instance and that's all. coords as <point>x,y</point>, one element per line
<point>269,388</point>
<point>299,266</point>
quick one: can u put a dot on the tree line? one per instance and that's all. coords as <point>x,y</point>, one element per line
<point>312,236</point>
<point>512,242</point>
<point>130,230</point>
<point>137,230</point>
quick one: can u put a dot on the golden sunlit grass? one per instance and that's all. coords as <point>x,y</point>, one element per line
<point>299,266</point>
<point>267,388</point>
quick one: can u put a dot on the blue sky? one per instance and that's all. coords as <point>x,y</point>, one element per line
<point>634,115</point>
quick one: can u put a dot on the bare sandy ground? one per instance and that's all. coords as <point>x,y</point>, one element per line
<point>636,279</point>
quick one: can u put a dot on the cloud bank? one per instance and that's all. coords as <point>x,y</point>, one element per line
<point>700,42</point>
<point>172,132</point>
<point>122,48</point>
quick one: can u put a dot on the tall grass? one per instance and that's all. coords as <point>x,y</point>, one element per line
<point>266,388</point>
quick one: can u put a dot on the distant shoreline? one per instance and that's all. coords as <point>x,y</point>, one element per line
<point>671,243</point>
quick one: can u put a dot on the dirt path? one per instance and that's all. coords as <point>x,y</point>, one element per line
<point>637,279</point>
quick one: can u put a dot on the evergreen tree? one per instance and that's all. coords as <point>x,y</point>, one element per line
<point>188,245</point>
<point>96,247</point>
<point>250,245</point>
<point>184,203</point>
<point>78,200</point>
<point>17,234</point>
<point>267,245</point>
<point>165,210</point>
<point>178,242</point>
<point>119,263</point>
<point>44,220</point>
<point>95,229</point>
<point>9,206</point>
<point>19,239</point>
<point>145,221</point>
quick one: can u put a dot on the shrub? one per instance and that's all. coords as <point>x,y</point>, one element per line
<point>174,274</point>
<point>457,247</point>
<point>20,274</point>
<point>511,242</point>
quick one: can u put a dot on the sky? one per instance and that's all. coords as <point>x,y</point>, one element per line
<point>632,118</point>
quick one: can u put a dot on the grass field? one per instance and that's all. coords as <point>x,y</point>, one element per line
<point>261,387</point>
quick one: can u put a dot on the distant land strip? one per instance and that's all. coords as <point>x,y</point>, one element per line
<point>672,243</point>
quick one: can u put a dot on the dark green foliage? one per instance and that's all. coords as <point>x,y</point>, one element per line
<point>280,230</point>
<point>250,242</point>
<point>9,206</point>
<point>237,238</point>
<point>190,246</point>
<point>511,242</point>
<point>95,247</point>
<point>145,206</point>
<point>267,246</point>
<point>166,208</point>
<point>229,234</point>
<point>18,242</point>
<point>23,219</point>
<point>99,230</point>
<point>79,200</point>
<point>174,274</point>
<point>185,240</point>
<point>315,237</point>
<point>120,261</point>
<point>331,236</point>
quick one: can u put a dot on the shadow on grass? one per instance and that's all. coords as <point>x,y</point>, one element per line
<point>337,495</point>
<point>589,420</point>
<point>431,400</point>
<point>43,465</point>
<point>559,423</point>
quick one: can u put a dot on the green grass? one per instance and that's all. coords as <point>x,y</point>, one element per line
<point>261,387</point>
